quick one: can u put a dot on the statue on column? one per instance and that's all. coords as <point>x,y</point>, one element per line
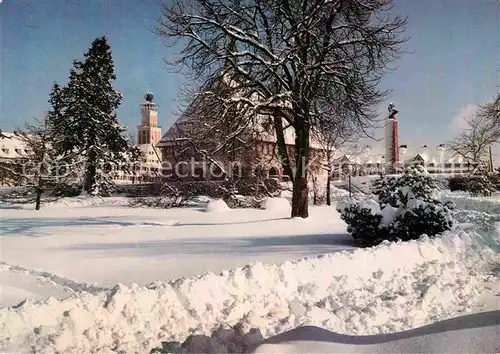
<point>392,111</point>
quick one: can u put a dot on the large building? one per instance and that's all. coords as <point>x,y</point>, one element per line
<point>257,155</point>
<point>12,148</point>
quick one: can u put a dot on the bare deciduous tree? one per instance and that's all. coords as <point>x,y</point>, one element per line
<point>481,132</point>
<point>288,59</point>
<point>39,165</point>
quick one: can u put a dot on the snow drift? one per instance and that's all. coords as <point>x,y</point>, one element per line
<point>384,289</point>
<point>216,206</point>
<point>277,205</point>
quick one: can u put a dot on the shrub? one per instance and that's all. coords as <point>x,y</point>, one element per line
<point>479,183</point>
<point>420,218</point>
<point>406,208</point>
<point>459,183</point>
<point>495,179</point>
<point>67,190</point>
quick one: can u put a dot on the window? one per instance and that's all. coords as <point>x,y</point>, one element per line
<point>447,165</point>
<point>6,151</point>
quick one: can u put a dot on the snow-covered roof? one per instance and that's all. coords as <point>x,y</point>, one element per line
<point>11,146</point>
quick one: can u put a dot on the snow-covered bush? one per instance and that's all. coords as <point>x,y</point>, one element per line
<point>481,184</point>
<point>216,206</point>
<point>242,202</point>
<point>276,205</point>
<point>420,217</point>
<point>407,207</point>
<point>103,185</point>
<point>415,183</point>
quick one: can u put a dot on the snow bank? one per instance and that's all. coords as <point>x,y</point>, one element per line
<point>383,289</point>
<point>276,205</point>
<point>216,206</point>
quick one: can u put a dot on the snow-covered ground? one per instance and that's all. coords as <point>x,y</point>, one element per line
<point>476,333</point>
<point>111,243</point>
<point>81,248</point>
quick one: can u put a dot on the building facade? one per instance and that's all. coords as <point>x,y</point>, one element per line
<point>257,157</point>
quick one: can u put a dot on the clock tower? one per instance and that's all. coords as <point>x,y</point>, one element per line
<point>148,132</point>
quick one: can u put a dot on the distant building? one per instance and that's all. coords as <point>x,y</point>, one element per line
<point>395,157</point>
<point>11,149</point>
<point>148,135</point>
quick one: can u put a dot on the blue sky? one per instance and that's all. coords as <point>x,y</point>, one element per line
<point>454,62</point>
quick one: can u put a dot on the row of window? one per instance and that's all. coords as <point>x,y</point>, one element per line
<point>18,151</point>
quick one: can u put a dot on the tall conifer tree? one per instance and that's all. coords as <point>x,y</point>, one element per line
<point>84,115</point>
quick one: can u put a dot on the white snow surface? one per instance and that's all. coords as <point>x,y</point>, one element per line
<point>216,206</point>
<point>389,214</point>
<point>476,333</point>
<point>384,289</point>
<point>372,205</point>
<point>276,205</point>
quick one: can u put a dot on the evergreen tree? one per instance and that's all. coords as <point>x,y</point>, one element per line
<point>84,117</point>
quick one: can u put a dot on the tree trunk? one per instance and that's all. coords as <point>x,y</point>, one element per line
<point>38,198</point>
<point>328,189</point>
<point>315,190</point>
<point>300,192</point>
<point>300,197</point>
<point>39,191</point>
<point>329,177</point>
<point>90,173</point>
